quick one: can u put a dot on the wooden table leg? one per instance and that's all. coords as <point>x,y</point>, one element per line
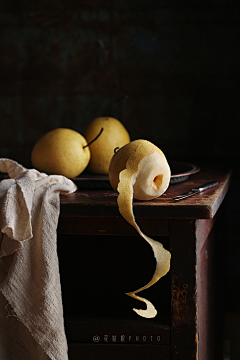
<point>184,337</point>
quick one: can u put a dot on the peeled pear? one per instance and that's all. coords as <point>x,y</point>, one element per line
<point>114,135</point>
<point>61,151</point>
<point>140,170</point>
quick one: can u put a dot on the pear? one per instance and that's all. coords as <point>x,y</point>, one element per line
<point>140,170</point>
<point>147,163</point>
<point>114,135</point>
<point>61,151</point>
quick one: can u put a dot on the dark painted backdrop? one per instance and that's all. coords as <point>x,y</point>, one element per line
<point>176,62</point>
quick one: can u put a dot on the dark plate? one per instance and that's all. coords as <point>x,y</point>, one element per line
<point>180,171</point>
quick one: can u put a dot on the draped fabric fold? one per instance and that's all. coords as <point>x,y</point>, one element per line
<point>31,313</point>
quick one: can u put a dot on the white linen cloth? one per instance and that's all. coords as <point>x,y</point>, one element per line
<point>31,312</point>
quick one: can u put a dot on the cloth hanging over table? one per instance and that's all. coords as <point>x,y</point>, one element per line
<point>31,312</point>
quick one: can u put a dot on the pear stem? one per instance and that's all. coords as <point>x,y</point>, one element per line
<point>94,138</point>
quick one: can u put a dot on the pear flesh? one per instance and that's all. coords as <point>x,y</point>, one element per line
<point>140,170</point>
<point>152,177</point>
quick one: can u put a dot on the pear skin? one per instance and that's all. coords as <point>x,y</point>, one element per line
<point>61,152</point>
<point>140,170</point>
<point>114,135</point>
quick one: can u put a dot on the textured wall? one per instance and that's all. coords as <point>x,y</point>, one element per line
<point>177,62</point>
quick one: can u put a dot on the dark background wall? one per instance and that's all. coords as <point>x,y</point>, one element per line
<point>176,62</point>
<point>63,62</point>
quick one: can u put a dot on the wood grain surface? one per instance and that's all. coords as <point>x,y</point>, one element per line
<point>103,203</point>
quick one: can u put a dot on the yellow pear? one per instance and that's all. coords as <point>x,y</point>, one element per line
<point>140,170</point>
<point>61,151</point>
<point>114,135</point>
<point>147,163</point>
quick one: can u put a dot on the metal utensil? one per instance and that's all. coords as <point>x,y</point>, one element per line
<point>194,191</point>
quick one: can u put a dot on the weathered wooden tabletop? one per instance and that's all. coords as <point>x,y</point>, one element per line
<point>103,202</point>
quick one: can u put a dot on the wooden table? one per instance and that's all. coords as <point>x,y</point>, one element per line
<point>102,257</point>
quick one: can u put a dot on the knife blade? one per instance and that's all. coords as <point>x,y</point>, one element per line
<point>197,190</point>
